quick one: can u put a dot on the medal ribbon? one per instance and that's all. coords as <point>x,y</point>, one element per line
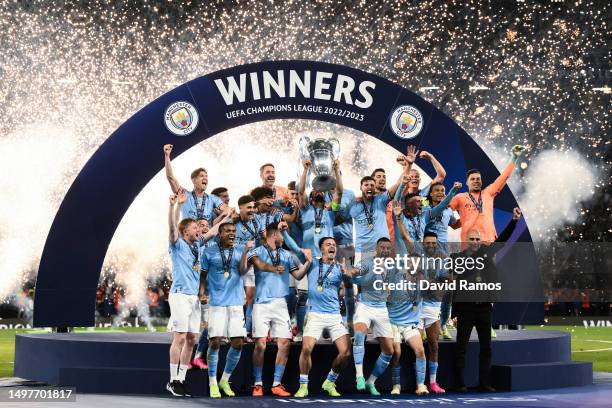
<point>368,212</point>
<point>416,226</point>
<point>318,215</point>
<point>226,262</point>
<point>195,252</point>
<point>321,278</point>
<point>275,261</point>
<point>251,231</point>
<point>199,208</point>
<point>477,204</point>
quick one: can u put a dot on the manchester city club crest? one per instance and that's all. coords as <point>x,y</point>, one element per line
<point>181,118</point>
<point>406,121</point>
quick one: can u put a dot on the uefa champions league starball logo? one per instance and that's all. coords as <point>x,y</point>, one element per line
<point>406,121</point>
<point>181,118</point>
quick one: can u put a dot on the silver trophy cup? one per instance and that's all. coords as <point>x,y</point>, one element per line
<point>322,153</point>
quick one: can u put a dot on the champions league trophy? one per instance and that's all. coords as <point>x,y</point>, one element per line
<point>322,153</point>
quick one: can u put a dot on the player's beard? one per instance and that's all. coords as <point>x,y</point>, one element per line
<point>368,195</point>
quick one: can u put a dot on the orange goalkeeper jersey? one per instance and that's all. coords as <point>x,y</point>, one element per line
<point>483,221</point>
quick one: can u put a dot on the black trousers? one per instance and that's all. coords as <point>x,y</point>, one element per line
<point>468,317</point>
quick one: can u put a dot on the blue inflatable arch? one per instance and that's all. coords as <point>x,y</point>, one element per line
<point>81,232</point>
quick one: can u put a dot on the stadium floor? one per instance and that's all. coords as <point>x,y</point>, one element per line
<point>597,395</point>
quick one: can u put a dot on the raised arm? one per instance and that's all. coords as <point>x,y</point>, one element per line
<point>302,199</point>
<point>174,184</point>
<point>442,205</point>
<point>399,194</point>
<point>397,190</point>
<point>499,183</point>
<point>440,172</point>
<point>405,245</point>
<point>339,187</point>
<point>406,162</point>
<point>173,234</point>
<point>293,246</point>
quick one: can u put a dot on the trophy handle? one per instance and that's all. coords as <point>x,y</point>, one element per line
<point>335,147</point>
<point>304,154</point>
<point>303,149</point>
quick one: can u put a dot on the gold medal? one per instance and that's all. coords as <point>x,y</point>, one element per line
<point>478,278</point>
<point>320,288</point>
<point>196,267</point>
<point>370,226</point>
<point>317,230</point>
<point>226,274</point>
<point>414,308</point>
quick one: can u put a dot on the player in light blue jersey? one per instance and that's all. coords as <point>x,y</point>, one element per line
<point>198,204</point>
<point>404,306</point>
<point>295,232</point>
<point>343,227</point>
<point>318,219</point>
<point>372,312</point>
<point>183,299</point>
<point>222,266</point>
<point>434,272</point>
<point>415,177</point>
<point>415,219</point>
<point>343,234</point>
<point>206,239</point>
<point>273,264</point>
<point>324,280</point>
<point>369,212</point>
<point>439,225</point>
<point>248,229</point>
<point>294,227</point>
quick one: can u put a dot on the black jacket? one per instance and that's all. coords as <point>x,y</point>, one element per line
<point>483,272</point>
